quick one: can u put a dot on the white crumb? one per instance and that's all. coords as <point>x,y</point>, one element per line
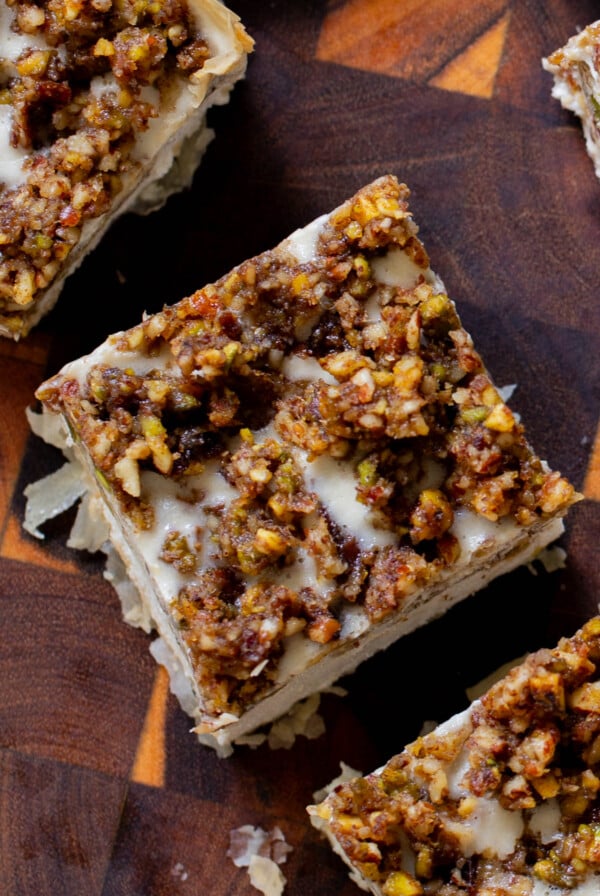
<point>266,876</point>
<point>261,852</point>
<point>178,871</point>
<point>506,392</point>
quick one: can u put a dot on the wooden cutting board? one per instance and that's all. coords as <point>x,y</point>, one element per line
<point>103,790</point>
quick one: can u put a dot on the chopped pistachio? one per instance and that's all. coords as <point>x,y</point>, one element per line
<point>500,419</point>
<point>367,471</point>
<point>401,883</point>
<point>474,414</point>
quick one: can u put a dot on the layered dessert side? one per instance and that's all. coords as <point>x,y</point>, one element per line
<point>301,462</point>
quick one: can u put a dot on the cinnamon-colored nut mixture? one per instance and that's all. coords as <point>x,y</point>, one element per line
<point>532,741</point>
<point>77,127</point>
<point>390,386</point>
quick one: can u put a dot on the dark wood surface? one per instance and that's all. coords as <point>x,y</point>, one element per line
<point>102,788</point>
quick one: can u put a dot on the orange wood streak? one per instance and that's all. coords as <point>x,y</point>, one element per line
<point>17,546</point>
<point>150,759</point>
<point>19,378</point>
<point>414,39</point>
<point>591,486</point>
<point>474,71</point>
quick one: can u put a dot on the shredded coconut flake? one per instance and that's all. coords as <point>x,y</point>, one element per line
<point>90,530</point>
<point>261,852</point>
<point>247,841</point>
<point>303,719</point>
<point>178,683</point>
<point>506,392</point>
<point>552,558</point>
<point>178,871</point>
<point>135,612</point>
<point>266,876</point>
<point>347,773</point>
<point>51,496</point>
<point>50,428</point>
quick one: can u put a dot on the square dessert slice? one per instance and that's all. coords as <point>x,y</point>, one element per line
<point>500,800</point>
<point>97,101</point>
<point>576,72</point>
<point>303,461</point>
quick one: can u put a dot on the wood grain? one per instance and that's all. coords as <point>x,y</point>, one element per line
<point>103,790</point>
<point>403,39</point>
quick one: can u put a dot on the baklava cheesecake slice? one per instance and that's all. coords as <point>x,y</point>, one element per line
<point>501,800</point>
<point>99,101</point>
<point>303,461</point>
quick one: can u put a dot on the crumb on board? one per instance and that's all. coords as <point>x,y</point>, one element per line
<point>261,852</point>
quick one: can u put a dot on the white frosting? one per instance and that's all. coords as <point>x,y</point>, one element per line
<point>373,308</point>
<point>298,367</point>
<point>490,829</point>
<point>300,651</point>
<point>335,483</point>
<point>11,159</point>
<point>397,268</point>
<point>175,105</point>
<point>302,573</point>
<point>354,621</point>
<point>475,533</point>
<point>590,887</point>
<point>303,243</point>
<point>173,514</point>
<point>455,723</point>
<point>545,821</point>
<point>109,355</point>
<point>14,42</point>
<point>102,84</point>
